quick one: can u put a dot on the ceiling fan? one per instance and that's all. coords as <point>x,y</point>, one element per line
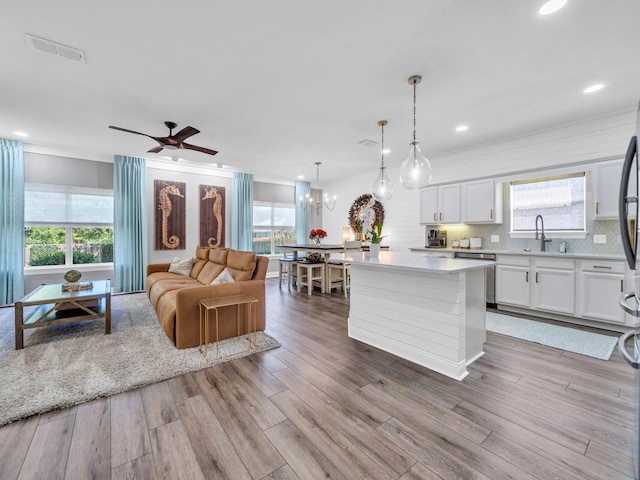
<point>173,142</point>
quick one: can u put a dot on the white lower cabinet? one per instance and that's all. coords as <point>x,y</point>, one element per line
<point>601,284</point>
<point>539,283</point>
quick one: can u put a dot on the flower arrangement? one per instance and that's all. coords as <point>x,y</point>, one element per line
<point>317,235</point>
<point>376,234</point>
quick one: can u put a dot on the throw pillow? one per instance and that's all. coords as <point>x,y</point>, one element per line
<point>181,267</point>
<point>224,277</point>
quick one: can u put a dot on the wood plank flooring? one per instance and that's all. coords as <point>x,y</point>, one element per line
<point>325,406</point>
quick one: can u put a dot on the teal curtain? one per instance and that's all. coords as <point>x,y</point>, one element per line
<point>11,221</point>
<point>302,217</point>
<point>242,212</point>
<point>129,224</point>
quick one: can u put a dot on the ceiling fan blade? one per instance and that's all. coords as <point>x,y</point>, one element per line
<point>129,131</point>
<point>197,149</point>
<point>155,150</point>
<point>185,133</point>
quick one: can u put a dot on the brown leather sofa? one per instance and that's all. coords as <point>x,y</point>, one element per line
<point>176,298</point>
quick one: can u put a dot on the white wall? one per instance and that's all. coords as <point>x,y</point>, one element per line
<point>601,138</point>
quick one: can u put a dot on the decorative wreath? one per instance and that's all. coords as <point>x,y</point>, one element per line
<point>362,210</point>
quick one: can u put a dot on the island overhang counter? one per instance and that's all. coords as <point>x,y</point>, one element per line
<point>428,310</point>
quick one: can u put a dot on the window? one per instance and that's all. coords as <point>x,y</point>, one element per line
<point>559,199</point>
<point>271,224</point>
<point>67,225</point>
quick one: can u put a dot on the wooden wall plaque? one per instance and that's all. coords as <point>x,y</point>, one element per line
<point>170,214</point>
<point>212,203</point>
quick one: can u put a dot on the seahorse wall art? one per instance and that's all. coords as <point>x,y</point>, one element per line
<point>170,215</point>
<point>212,216</point>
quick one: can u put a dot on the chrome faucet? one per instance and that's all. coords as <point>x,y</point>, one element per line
<point>543,240</point>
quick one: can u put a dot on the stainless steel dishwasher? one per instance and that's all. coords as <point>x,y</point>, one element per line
<point>489,272</point>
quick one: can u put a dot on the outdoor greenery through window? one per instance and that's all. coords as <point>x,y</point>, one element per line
<point>66,226</point>
<point>271,224</point>
<point>559,199</point>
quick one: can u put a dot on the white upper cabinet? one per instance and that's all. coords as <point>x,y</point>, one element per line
<point>440,204</point>
<point>481,201</point>
<point>606,188</point>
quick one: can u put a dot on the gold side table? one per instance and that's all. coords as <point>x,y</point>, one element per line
<point>206,306</point>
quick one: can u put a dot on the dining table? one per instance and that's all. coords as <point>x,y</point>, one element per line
<point>324,249</point>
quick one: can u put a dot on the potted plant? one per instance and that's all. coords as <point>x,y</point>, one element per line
<point>376,237</point>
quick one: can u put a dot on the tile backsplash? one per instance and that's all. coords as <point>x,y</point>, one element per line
<point>609,228</point>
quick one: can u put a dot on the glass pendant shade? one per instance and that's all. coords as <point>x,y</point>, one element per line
<point>416,169</point>
<point>382,188</point>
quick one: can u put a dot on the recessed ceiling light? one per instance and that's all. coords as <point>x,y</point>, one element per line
<point>462,128</point>
<point>386,151</point>
<point>552,6</point>
<point>593,88</point>
<point>300,177</point>
<point>21,134</point>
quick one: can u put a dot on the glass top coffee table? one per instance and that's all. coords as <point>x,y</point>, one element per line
<point>55,306</point>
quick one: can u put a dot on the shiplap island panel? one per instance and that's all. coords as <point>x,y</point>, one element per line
<point>428,310</point>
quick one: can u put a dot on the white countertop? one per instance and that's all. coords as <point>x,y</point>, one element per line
<point>413,262</point>
<point>522,252</point>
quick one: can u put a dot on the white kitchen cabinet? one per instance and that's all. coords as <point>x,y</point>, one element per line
<point>512,285</point>
<point>481,202</point>
<point>440,204</point>
<point>539,283</point>
<point>554,290</point>
<point>606,188</point>
<point>601,284</point>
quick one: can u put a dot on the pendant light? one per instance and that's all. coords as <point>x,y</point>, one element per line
<point>317,203</point>
<point>382,188</point>
<point>416,169</point>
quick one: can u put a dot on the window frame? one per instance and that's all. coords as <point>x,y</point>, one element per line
<point>273,228</point>
<point>550,233</point>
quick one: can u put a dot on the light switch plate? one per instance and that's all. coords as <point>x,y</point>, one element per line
<point>599,239</point>
<point>495,238</point>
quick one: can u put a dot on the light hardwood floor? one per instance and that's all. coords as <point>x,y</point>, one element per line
<point>325,406</point>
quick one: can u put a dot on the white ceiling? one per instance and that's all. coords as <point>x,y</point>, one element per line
<point>276,86</point>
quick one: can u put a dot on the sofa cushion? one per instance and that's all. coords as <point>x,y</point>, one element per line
<point>181,267</point>
<point>224,277</point>
<point>167,284</point>
<point>241,264</point>
<point>202,256</point>
<point>218,255</point>
<point>209,272</point>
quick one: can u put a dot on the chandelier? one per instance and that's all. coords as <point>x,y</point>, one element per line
<point>382,188</point>
<point>416,169</point>
<point>318,202</point>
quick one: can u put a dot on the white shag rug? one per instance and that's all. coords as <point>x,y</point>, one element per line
<point>64,365</point>
<point>570,339</point>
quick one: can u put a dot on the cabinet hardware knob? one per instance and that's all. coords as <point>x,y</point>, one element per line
<point>440,216</point>
<point>597,205</point>
<point>491,214</point>
<point>621,285</point>
<point>526,278</point>
<point>536,277</point>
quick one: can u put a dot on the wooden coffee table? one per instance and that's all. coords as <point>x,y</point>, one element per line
<point>53,306</point>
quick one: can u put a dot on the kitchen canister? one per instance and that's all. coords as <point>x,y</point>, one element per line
<point>464,243</point>
<point>475,243</point>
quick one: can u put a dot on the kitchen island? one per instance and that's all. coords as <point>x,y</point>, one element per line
<point>428,310</point>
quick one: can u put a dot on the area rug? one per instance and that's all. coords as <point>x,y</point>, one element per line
<point>569,339</point>
<point>64,365</point>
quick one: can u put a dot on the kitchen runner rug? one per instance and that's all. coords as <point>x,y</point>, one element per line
<point>64,365</point>
<point>570,339</point>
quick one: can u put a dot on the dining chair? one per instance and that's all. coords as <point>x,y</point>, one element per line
<point>344,268</point>
<point>287,264</point>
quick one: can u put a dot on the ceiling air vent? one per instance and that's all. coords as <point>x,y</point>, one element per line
<point>54,48</point>
<point>368,143</point>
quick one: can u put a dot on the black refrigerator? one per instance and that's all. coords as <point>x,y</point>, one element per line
<point>629,343</point>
